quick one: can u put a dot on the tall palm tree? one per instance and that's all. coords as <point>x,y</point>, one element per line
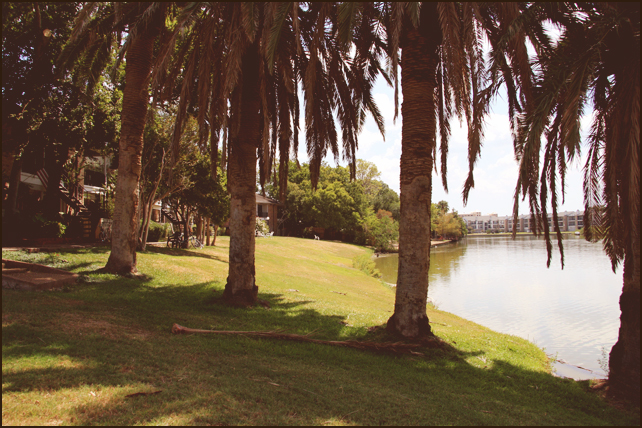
<point>215,49</point>
<point>91,42</point>
<point>597,59</point>
<point>442,73</point>
<point>251,57</point>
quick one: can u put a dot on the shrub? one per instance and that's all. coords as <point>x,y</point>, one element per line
<point>48,228</point>
<point>365,263</point>
<point>157,231</point>
<point>262,226</point>
<point>381,231</point>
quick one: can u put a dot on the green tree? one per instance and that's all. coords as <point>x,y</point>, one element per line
<point>379,195</point>
<point>386,199</point>
<point>370,178</point>
<point>158,178</point>
<point>449,226</point>
<point>381,230</point>
<point>201,194</point>
<point>27,76</point>
<point>442,207</point>
<point>338,204</point>
<point>46,115</point>
<point>596,60</point>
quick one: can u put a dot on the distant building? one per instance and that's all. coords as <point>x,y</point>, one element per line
<point>477,223</point>
<point>268,209</point>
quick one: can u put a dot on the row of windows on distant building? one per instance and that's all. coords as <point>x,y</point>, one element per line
<point>475,222</point>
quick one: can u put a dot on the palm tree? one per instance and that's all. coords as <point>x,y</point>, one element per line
<point>442,73</point>
<point>251,57</point>
<point>91,42</point>
<point>215,49</point>
<point>441,68</point>
<point>596,60</point>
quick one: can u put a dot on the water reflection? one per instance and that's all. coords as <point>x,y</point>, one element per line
<point>504,284</point>
<point>444,260</point>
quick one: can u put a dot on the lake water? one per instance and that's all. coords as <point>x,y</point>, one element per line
<point>504,284</point>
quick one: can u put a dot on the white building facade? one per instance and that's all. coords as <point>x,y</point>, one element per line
<point>477,223</point>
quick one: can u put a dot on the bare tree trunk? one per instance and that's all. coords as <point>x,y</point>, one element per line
<point>418,80</point>
<point>187,231</point>
<point>241,288</point>
<point>122,259</point>
<point>148,204</point>
<point>624,359</point>
<point>199,227</point>
<point>142,208</point>
<point>214,236</point>
<point>14,183</point>
<point>207,232</point>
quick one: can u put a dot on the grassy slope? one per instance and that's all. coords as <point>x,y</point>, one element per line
<point>71,357</point>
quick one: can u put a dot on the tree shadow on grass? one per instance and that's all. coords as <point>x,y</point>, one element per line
<point>239,380</point>
<point>181,252</point>
<point>120,343</point>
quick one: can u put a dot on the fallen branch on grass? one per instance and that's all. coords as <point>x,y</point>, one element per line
<point>395,347</point>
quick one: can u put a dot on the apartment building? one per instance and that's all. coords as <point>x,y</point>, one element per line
<point>477,223</point>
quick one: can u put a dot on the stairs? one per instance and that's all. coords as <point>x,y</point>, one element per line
<point>170,217</point>
<point>177,225</point>
<point>83,214</point>
<point>80,209</point>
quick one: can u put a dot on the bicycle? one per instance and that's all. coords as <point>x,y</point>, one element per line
<point>195,243</point>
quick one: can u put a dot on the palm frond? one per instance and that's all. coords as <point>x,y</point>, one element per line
<point>249,19</point>
<point>347,17</point>
<point>276,29</point>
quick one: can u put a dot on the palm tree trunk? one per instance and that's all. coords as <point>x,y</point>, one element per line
<point>624,359</point>
<point>418,80</point>
<point>241,289</point>
<point>122,259</point>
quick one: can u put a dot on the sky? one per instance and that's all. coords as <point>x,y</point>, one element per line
<point>495,172</point>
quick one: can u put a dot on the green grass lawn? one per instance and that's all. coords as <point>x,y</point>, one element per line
<point>72,357</point>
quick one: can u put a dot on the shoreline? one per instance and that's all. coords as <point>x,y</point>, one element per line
<point>559,368</point>
<point>395,247</point>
